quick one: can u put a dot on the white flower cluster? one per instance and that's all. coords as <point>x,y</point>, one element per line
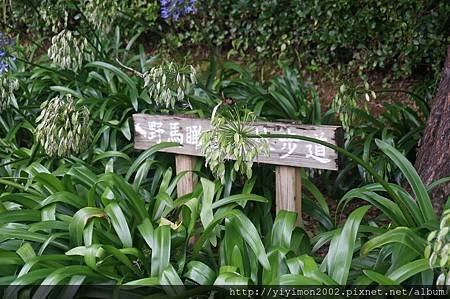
<point>62,128</point>
<point>168,84</point>
<point>438,250</point>
<point>101,13</point>
<point>228,139</point>
<point>68,51</point>
<point>7,87</point>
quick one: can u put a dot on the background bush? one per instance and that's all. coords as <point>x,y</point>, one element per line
<point>400,35</point>
<point>403,36</point>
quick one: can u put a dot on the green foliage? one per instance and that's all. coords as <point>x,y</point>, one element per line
<point>367,35</point>
<point>101,212</point>
<point>397,124</point>
<point>401,36</point>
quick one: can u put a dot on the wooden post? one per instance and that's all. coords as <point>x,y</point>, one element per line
<point>289,190</point>
<point>186,184</point>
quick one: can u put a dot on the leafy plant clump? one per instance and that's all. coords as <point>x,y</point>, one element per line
<point>79,205</point>
<point>396,36</point>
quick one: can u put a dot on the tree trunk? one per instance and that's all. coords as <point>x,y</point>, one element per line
<point>433,157</point>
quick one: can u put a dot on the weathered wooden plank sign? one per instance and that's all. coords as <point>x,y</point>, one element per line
<point>286,153</point>
<point>153,129</point>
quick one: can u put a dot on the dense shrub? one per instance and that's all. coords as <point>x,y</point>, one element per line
<point>399,35</point>
<point>402,36</point>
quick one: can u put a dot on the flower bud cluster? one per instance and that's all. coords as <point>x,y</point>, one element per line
<point>62,128</point>
<point>8,85</point>
<point>68,51</point>
<point>168,84</point>
<point>101,13</point>
<point>228,139</point>
<point>5,57</point>
<point>438,250</point>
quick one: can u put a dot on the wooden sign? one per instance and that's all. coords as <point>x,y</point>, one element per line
<point>287,153</point>
<point>153,129</point>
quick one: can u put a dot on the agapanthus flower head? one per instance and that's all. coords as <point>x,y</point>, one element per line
<point>8,85</point>
<point>6,58</point>
<point>69,50</point>
<point>5,40</point>
<point>63,128</point>
<point>175,9</point>
<point>101,13</point>
<point>169,83</point>
<point>228,138</point>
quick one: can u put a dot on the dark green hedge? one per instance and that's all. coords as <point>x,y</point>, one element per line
<point>404,36</point>
<point>401,35</point>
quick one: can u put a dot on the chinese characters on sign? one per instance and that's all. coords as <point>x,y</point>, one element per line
<point>156,132</point>
<point>154,129</point>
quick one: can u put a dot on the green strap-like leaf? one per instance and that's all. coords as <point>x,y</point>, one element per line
<point>119,222</point>
<point>340,254</point>
<point>379,278</point>
<point>282,229</point>
<point>413,178</point>
<point>406,271</point>
<point>402,235</point>
<point>161,250</point>
<point>200,273</point>
<point>79,221</point>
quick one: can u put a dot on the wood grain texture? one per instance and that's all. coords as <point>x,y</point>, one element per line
<point>289,190</point>
<point>153,129</point>
<point>187,183</point>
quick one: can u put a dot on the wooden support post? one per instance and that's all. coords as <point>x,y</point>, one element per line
<point>289,190</point>
<point>187,183</point>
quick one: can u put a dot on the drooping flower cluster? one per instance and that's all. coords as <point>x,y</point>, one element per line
<point>438,250</point>
<point>346,101</point>
<point>62,128</point>
<point>8,85</point>
<point>168,83</point>
<point>101,13</point>
<point>54,13</point>
<point>228,139</point>
<point>175,9</point>
<point>68,51</point>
